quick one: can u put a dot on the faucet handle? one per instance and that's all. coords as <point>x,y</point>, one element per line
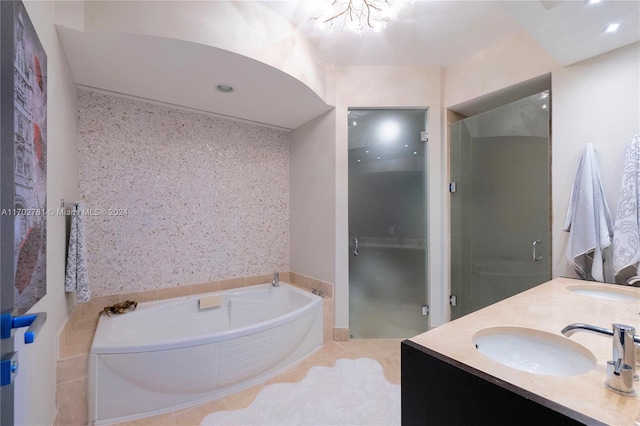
<point>624,345</point>
<point>621,371</point>
<point>623,327</point>
<point>620,377</point>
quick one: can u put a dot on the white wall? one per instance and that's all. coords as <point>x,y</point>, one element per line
<point>312,202</point>
<point>506,63</point>
<point>596,101</point>
<point>36,381</point>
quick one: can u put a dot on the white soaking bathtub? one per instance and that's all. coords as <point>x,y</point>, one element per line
<point>168,354</point>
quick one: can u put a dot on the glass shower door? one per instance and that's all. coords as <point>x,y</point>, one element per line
<point>500,210</point>
<point>387,223</point>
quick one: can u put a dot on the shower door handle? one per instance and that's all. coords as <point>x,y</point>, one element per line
<point>355,242</point>
<point>536,258</point>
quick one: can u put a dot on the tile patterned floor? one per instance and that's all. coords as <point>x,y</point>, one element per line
<point>385,351</point>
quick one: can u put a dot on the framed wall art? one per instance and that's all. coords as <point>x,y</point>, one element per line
<point>23,79</point>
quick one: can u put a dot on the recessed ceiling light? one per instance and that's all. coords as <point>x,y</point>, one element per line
<point>224,88</point>
<point>590,2</point>
<point>612,28</point>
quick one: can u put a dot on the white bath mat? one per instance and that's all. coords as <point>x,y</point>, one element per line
<point>353,392</point>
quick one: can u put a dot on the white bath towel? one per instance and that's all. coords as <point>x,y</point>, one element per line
<point>588,220</point>
<point>626,233</point>
<point>76,278</point>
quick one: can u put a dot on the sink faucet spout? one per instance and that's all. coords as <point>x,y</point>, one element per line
<point>574,328</point>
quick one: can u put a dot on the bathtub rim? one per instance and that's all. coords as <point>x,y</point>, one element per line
<point>102,344</point>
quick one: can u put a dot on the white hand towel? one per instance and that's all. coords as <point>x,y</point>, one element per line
<point>588,219</point>
<point>76,278</point>
<point>626,233</point>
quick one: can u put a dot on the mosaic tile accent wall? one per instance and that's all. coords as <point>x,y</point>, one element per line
<point>177,197</point>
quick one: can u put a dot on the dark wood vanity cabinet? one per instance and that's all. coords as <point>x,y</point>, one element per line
<point>439,391</point>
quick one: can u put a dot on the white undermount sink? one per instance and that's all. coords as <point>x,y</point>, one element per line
<point>602,292</point>
<point>534,351</point>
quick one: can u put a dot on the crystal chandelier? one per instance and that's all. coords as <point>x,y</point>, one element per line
<point>355,15</point>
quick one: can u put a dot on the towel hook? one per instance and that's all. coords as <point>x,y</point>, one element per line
<point>64,204</point>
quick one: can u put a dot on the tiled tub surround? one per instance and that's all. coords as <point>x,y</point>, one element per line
<point>75,338</point>
<point>189,197</point>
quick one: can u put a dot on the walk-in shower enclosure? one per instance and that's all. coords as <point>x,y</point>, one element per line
<point>387,223</point>
<point>500,203</point>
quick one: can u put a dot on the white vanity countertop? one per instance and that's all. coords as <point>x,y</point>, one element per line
<point>550,307</point>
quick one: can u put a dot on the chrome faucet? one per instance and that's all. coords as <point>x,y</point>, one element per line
<point>621,371</point>
<point>276,279</point>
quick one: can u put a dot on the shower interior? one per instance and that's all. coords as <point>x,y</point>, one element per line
<point>387,223</point>
<point>500,210</point>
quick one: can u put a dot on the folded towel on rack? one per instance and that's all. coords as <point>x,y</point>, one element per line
<point>76,278</point>
<point>626,232</point>
<point>589,221</point>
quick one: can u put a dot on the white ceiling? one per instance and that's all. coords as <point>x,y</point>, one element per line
<point>430,33</point>
<point>572,31</point>
<point>440,33</point>
<point>427,33</point>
